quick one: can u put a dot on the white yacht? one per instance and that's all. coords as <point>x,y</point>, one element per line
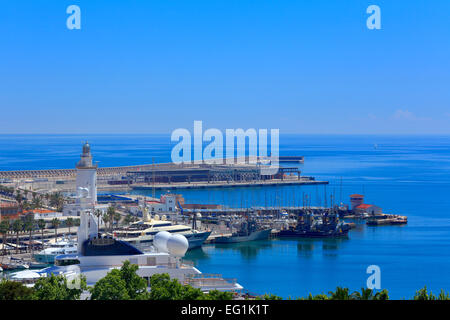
<point>47,255</point>
<point>97,256</point>
<point>141,233</point>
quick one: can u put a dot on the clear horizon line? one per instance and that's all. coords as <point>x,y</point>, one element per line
<point>285,133</point>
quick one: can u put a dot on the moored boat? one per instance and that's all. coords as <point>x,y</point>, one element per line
<point>311,226</point>
<point>386,219</point>
<point>98,255</point>
<point>47,255</point>
<point>142,233</point>
<point>249,231</point>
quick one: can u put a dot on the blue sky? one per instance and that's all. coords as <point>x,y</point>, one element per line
<point>154,66</point>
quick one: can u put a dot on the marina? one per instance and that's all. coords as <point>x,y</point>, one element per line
<point>222,210</point>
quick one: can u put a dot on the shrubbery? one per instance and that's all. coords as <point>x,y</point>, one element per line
<point>125,284</point>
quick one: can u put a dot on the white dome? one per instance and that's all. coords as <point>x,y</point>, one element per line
<point>156,217</point>
<point>160,241</point>
<point>163,218</point>
<point>177,245</point>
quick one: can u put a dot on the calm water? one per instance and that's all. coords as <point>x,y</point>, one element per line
<point>404,174</point>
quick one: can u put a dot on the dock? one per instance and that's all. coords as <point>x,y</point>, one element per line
<point>166,176</point>
<point>225,184</point>
<point>298,159</point>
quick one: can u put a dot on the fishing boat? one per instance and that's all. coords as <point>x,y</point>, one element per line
<point>317,226</point>
<point>249,231</point>
<point>13,264</point>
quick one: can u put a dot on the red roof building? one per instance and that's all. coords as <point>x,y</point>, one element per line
<point>368,208</point>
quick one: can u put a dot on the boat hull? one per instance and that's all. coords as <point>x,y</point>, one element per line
<point>256,235</point>
<point>195,240</point>
<point>45,258</point>
<point>311,234</point>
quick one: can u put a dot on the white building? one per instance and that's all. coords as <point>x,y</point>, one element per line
<point>86,186</point>
<point>166,204</point>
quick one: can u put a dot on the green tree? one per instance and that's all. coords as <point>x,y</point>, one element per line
<point>423,294</point>
<point>106,219</point>
<point>136,286</point>
<point>69,223</point>
<point>321,296</point>
<point>116,218</point>
<point>26,206</point>
<point>41,225</point>
<point>47,198</point>
<point>340,294</point>
<point>381,295</point>
<point>219,295</point>
<point>36,201</point>
<point>163,288</point>
<point>58,288</point>
<point>443,295</point>
<point>19,197</point>
<point>110,287</point>
<point>98,213</point>
<point>123,283</point>
<point>55,223</point>
<point>29,226</point>
<point>17,228</point>
<point>128,219</point>
<point>110,213</point>
<point>270,297</point>
<point>57,201</point>
<point>4,229</point>
<point>13,290</point>
<point>365,294</point>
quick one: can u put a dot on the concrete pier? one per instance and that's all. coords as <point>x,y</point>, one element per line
<point>225,184</point>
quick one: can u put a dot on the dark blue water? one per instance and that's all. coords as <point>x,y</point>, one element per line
<point>405,174</point>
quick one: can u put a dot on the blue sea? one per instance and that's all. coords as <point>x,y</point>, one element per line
<point>408,175</point>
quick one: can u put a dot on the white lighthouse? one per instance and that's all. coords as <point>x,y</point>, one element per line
<point>86,180</point>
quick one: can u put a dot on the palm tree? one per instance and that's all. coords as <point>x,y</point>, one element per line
<point>37,201</point>
<point>111,212</point>
<point>340,294</point>
<point>4,229</point>
<point>365,294</point>
<point>116,218</point>
<point>41,225</point>
<point>29,226</point>
<point>128,219</point>
<point>98,213</point>
<point>381,295</point>
<point>17,227</point>
<point>106,219</point>
<point>47,197</point>
<point>57,201</point>
<point>19,197</point>
<point>69,223</point>
<point>26,206</point>
<point>55,223</point>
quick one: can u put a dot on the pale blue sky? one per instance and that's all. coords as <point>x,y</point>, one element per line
<point>154,66</point>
